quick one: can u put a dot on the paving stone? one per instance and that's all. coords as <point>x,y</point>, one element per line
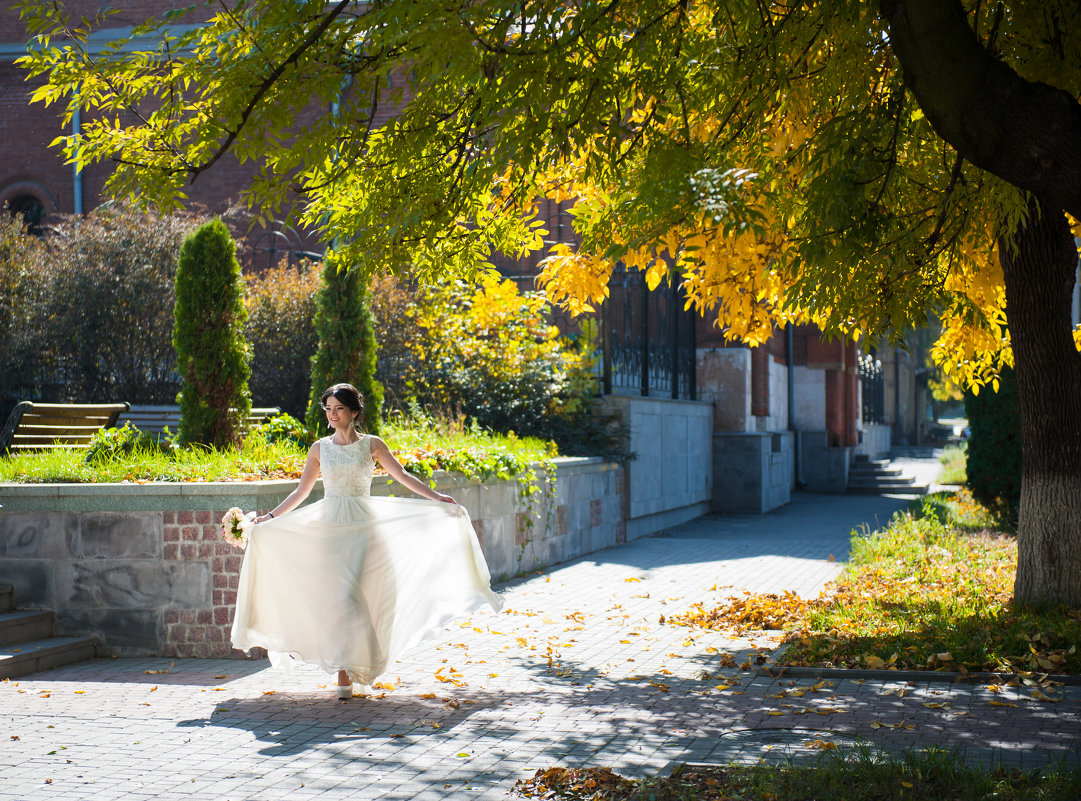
<point>577,670</point>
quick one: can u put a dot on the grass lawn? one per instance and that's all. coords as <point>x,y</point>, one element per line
<point>422,446</point>
<point>932,591</point>
<point>954,465</point>
<point>860,775</point>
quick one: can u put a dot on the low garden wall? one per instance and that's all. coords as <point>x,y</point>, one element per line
<point>143,566</point>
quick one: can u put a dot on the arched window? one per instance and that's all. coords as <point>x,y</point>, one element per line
<point>30,208</point>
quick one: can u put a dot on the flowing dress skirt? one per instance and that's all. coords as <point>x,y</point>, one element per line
<point>351,582</point>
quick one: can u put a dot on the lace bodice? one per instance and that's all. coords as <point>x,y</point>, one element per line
<point>347,469</point>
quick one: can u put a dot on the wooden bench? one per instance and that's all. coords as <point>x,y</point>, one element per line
<point>155,419</point>
<point>45,426</point>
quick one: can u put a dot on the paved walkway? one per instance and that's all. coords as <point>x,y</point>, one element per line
<point>576,671</point>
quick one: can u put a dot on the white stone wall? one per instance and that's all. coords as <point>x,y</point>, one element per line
<point>778,399</point>
<point>875,440</point>
<point>810,411</point>
<point>670,479</point>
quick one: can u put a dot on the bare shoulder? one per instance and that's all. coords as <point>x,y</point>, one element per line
<point>376,445</point>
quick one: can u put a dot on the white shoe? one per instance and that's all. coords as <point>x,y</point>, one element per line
<point>345,691</point>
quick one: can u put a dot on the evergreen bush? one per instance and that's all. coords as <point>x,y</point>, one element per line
<point>281,312</point>
<point>346,335</point>
<point>208,334</point>
<point>993,463</point>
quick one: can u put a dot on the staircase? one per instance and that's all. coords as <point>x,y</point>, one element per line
<point>879,477</point>
<point>27,644</point>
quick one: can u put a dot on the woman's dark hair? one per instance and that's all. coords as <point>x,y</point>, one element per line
<point>349,397</point>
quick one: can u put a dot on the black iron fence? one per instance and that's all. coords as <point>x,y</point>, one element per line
<point>647,339</point>
<point>873,389</point>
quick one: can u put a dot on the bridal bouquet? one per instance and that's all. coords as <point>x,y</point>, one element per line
<point>236,525</point>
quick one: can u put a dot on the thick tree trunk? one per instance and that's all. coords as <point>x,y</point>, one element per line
<point>1028,134</point>
<point>1039,270</point>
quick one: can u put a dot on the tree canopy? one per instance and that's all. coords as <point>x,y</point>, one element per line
<point>853,164</point>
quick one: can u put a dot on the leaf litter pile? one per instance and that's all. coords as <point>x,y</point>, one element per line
<point>918,595</point>
<point>861,775</point>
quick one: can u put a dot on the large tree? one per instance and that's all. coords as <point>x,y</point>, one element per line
<point>850,163</point>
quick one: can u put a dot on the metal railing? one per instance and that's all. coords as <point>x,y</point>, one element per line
<point>873,388</point>
<point>647,339</point>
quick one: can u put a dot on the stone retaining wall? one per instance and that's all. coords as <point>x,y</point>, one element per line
<point>144,568</point>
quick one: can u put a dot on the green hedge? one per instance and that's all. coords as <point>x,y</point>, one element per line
<point>86,312</point>
<point>347,345</point>
<point>993,464</point>
<point>281,330</point>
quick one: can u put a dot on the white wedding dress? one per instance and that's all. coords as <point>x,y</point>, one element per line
<point>351,581</point>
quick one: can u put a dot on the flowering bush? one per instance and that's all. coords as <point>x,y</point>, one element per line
<point>489,353</point>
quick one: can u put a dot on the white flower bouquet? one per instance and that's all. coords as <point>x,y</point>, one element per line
<point>236,525</point>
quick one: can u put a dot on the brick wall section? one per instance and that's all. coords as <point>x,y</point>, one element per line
<point>196,536</point>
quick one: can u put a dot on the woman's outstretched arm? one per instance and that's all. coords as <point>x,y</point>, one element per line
<point>304,487</point>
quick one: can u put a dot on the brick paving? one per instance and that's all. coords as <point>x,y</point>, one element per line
<point>576,671</point>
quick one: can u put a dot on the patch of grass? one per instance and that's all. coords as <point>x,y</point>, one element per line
<point>932,591</point>
<point>921,595</point>
<point>954,464</point>
<point>256,460</point>
<point>861,774</point>
<point>959,510</point>
<point>422,446</point>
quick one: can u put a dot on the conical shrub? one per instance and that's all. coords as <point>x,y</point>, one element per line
<point>208,335</point>
<point>347,347</point>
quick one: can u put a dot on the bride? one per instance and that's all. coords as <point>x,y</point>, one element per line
<point>350,582</point>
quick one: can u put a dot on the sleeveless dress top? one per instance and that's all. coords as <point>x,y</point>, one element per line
<point>350,581</point>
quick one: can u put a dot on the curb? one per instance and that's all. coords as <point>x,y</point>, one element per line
<point>951,677</point>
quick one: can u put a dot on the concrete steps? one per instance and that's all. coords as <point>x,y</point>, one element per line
<point>880,477</point>
<point>27,644</point>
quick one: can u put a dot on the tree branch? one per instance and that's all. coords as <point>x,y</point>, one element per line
<point>264,87</point>
<point>1027,133</point>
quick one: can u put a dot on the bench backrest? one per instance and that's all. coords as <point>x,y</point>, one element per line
<point>154,419</point>
<point>43,426</point>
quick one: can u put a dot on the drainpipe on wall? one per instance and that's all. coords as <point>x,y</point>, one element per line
<point>77,173</point>
<point>790,357</point>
